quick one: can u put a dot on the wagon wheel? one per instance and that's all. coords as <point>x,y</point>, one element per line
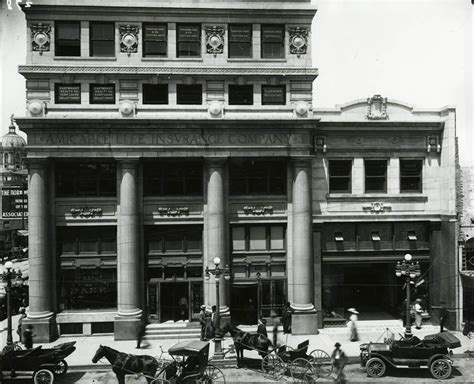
<point>302,371</point>
<point>440,369</point>
<point>43,376</point>
<point>321,363</point>
<point>273,366</point>
<point>212,375</point>
<point>61,368</point>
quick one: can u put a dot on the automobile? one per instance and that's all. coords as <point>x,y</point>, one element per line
<point>433,352</point>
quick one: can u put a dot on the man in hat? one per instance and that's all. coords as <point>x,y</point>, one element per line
<point>262,327</point>
<point>202,320</point>
<point>443,316</point>
<point>418,312</point>
<point>339,360</point>
<point>354,335</point>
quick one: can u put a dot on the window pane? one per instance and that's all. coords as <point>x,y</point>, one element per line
<point>173,241</point>
<point>258,241</point>
<point>189,94</point>
<point>68,30</point>
<point>67,93</point>
<point>189,40</point>
<point>411,175</point>
<point>240,41</point>
<point>240,94</point>
<point>189,49</point>
<point>88,245</point>
<point>107,180</point>
<point>340,176</point>
<point>102,93</point>
<point>68,38</point>
<point>194,240</point>
<point>102,39</point>
<point>155,93</point>
<point>102,48</point>
<point>155,38</point>
<point>156,245</point>
<point>238,239</point>
<point>273,95</point>
<point>375,175</point>
<point>273,41</point>
<point>277,240</point>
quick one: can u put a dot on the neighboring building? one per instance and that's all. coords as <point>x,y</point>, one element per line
<point>466,246</point>
<point>162,136</point>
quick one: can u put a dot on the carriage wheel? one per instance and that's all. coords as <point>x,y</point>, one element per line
<point>212,375</point>
<point>302,371</point>
<point>321,361</point>
<point>273,366</point>
<point>43,376</point>
<point>61,368</point>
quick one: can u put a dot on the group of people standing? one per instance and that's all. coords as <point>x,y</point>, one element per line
<point>208,322</point>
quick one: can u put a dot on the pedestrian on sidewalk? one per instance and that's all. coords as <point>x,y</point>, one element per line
<point>28,337</point>
<point>262,327</point>
<point>418,311</point>
<point>354,335</point>
<point>141,335</point>
<point>339,360</point>
<point>202,320</point>
<point>22,312</point>
<point>443,316</point>
<point>286,318</point>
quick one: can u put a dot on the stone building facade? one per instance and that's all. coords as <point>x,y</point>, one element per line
<point>161,136</point>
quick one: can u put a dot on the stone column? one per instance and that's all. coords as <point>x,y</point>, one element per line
<point>216,232</point>
<point>304,320</point>
<point>41,257</point>
<point>129,258</point>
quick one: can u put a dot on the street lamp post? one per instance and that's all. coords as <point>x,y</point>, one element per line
<point>218,272</point>
<point>9,277</point>
<point>259,295</point>
<point>409,270</point>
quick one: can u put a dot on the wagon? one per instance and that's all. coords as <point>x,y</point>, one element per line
<point>433,352</point>
<point>190,364</point>
<point>44,363</point>
<point>301,365</point>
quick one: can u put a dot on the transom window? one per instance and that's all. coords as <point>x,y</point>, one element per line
<point>340,176</point>
<point>273,41</point>
<point>172,179</point>
<point>155,93</point>
<point>85,179</point>
<point>102,39</point>
<point>411,175</point>
<point>247,177</point>
<point>240,40</point>
<point>375,176</point>
<point>258,238</point>
<point>87,240</point>
<point>273,95</point>
<point>240,94</point>
<point>189,94</point>
<point>155,40</point>
<point>188,40</point>
<point>67,38</point>
<point>174,239</point>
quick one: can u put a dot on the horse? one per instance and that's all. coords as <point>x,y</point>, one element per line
<point>126,364</point>
<point>246,340</point>
<point>468,327</point>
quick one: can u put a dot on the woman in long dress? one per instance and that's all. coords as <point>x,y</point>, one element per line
<point>354,335</point>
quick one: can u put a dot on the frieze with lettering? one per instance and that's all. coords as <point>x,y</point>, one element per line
<point>194,139</point>
<point>86,212</point>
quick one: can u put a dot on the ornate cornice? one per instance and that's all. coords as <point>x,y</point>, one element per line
<point>170,70</point>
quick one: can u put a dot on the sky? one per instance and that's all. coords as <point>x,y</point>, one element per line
<point>416,51</point>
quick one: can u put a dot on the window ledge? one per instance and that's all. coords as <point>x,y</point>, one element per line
<point>376,196</point>
<point>82,58</point>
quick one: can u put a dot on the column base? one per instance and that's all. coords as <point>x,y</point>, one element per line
<point>126,328</point>
<point>304,323</point>
<point>44,329</point>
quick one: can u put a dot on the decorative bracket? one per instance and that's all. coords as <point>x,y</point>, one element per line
<point>215,39</point>
<point>129,38</point>
<point>377,108</point>
<point>298,40</point>
<point>40,37</point>
<point>432,144</point>
<point>320,144</point>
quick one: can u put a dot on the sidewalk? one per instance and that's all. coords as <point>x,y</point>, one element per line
<point>86,346</point>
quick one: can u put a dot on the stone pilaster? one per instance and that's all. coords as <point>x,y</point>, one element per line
<point>304,320</point>
<point>130,259</point>
<point>216,230</point>
<point>41,257</point>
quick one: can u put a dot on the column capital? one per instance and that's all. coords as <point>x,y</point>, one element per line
<point>37,162</point>
<point>301,161</point>
<point>216,162</point>
<point>127,162</point>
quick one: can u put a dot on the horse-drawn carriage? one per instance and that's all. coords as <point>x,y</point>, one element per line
<point>189,364</point>
<point>44,363</point>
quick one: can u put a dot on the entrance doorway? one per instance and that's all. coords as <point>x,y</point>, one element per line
<point>244,304</point>
<point>174,301</point>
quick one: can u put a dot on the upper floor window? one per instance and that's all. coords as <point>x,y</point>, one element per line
<point>155,93</point>
<point>155,40</point>
<point>102,93</point>
<point>273,95</point>
<point>247,177</point>
<point>174,239</point>
<point>340,176</point>
<point>102,39</point>
<point>67,93</point>
<point>273,41</point>
<point>240,40</point>
<point>189,94</point>
<point>411,175</point>
<point>240,94</point>
<point>67,38</point>
<point>375,176</point>
<point>172,179</point>
<point>258,238</point>
<point>188,40</point>
<point>85,179</point>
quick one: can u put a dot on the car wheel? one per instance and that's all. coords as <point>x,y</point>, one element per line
<point>440,369</point>
<point>61,368</point>
<point>43,376</point>
<point>375,367</point>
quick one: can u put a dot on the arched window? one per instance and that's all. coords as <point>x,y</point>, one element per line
<point>5,159</point>
<point>17,161</point>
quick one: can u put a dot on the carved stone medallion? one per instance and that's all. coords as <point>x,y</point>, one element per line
<point>215,39</point>
<point>40,37</point>
<point>129,38</point>
<point>377,108</point>
<point>298,40</point>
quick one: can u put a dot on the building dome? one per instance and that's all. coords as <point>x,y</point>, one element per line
<point>12,140</point>
<point>13,148</point>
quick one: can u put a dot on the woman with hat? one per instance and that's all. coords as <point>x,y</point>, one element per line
<point>354,335</point>
<point>202,320</point>
<point>339,360</point>
<point>418,312</point>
